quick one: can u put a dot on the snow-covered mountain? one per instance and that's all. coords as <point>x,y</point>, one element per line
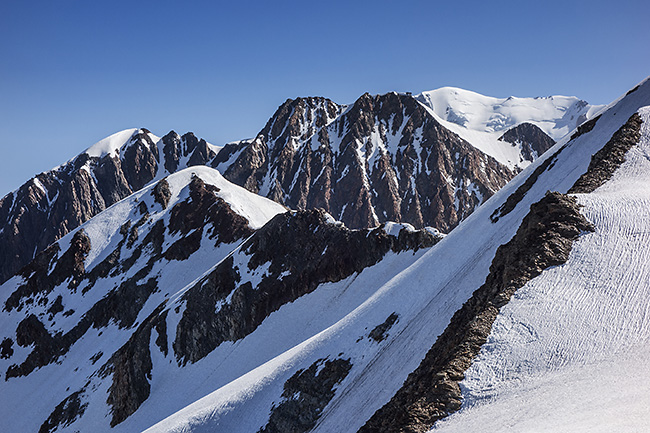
<point>383,158</point>
<point>75,319</point>
<point>426,160</point>
<point>194,305</point>
<point>483,120</point>
<point>51,204</point>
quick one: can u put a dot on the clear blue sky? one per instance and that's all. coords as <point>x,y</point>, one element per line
<point>73,72</point>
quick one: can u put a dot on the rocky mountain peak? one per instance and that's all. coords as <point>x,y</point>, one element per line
<point>298,119</point>
<point>384,158</point>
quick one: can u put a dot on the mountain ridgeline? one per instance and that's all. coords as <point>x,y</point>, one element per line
<point>55,202</point>
<point>383,158</point>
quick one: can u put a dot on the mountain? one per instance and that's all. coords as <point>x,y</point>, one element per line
<point>192,258</point>
<point>428,159</point>
<point>483,120</point>
<point>193,304</point>
<point>51,204</point>
<point>557,279</point>
<point>383,158</point>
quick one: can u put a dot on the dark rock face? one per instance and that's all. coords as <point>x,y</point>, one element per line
<point>378,333</point>
<point>162,193</point>
<point>305,395</point>
<point>53,203</point>
<point>131,366</point>
<point>31,331</point>
<point>431,392</point>
<point>175,148</point>
<point>142,154</point>
<point>605,162</point>
<point>301,250</point>
<point>6,348</point>
<point>34,218</point>
<point>383,159</point>
<point>585,127</point>
<point>65,413</point>
<point>532,139</point>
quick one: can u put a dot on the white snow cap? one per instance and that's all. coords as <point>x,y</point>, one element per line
<point>555,115</point>
<point>111,143</point>
<point>482,120</point>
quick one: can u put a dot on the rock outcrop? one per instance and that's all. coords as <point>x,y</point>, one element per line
<point>605,162</point>
<point>293,253</point>
<point>532,141</point>
<point>305,395</point>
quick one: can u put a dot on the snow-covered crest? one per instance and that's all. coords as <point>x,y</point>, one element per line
<point>57,201</point>
<point>129,259</point>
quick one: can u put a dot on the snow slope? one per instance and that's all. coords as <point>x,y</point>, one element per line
<point>112,144</point>
<point>579,332</point>
<point>425,295</point>
<point>98,343</point>
<point>481,120</point>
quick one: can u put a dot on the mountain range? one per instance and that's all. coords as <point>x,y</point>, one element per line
<point>443,261</point>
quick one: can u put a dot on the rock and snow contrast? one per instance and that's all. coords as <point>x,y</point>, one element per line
<point>428,160</point>
<point>383,158</point>
<point>192,304</point>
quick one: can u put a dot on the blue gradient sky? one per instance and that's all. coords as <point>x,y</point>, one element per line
<point>73,72</point>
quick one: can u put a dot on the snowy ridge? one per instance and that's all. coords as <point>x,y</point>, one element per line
<point>111,144</point>
<point>555,115</point>
<point>585,319</point>
<point>142,242</point>
<point>59,200</point>
<point>434,286</point>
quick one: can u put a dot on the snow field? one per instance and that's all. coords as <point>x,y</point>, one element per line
<point>481,120</point>
<point>572,345</point>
